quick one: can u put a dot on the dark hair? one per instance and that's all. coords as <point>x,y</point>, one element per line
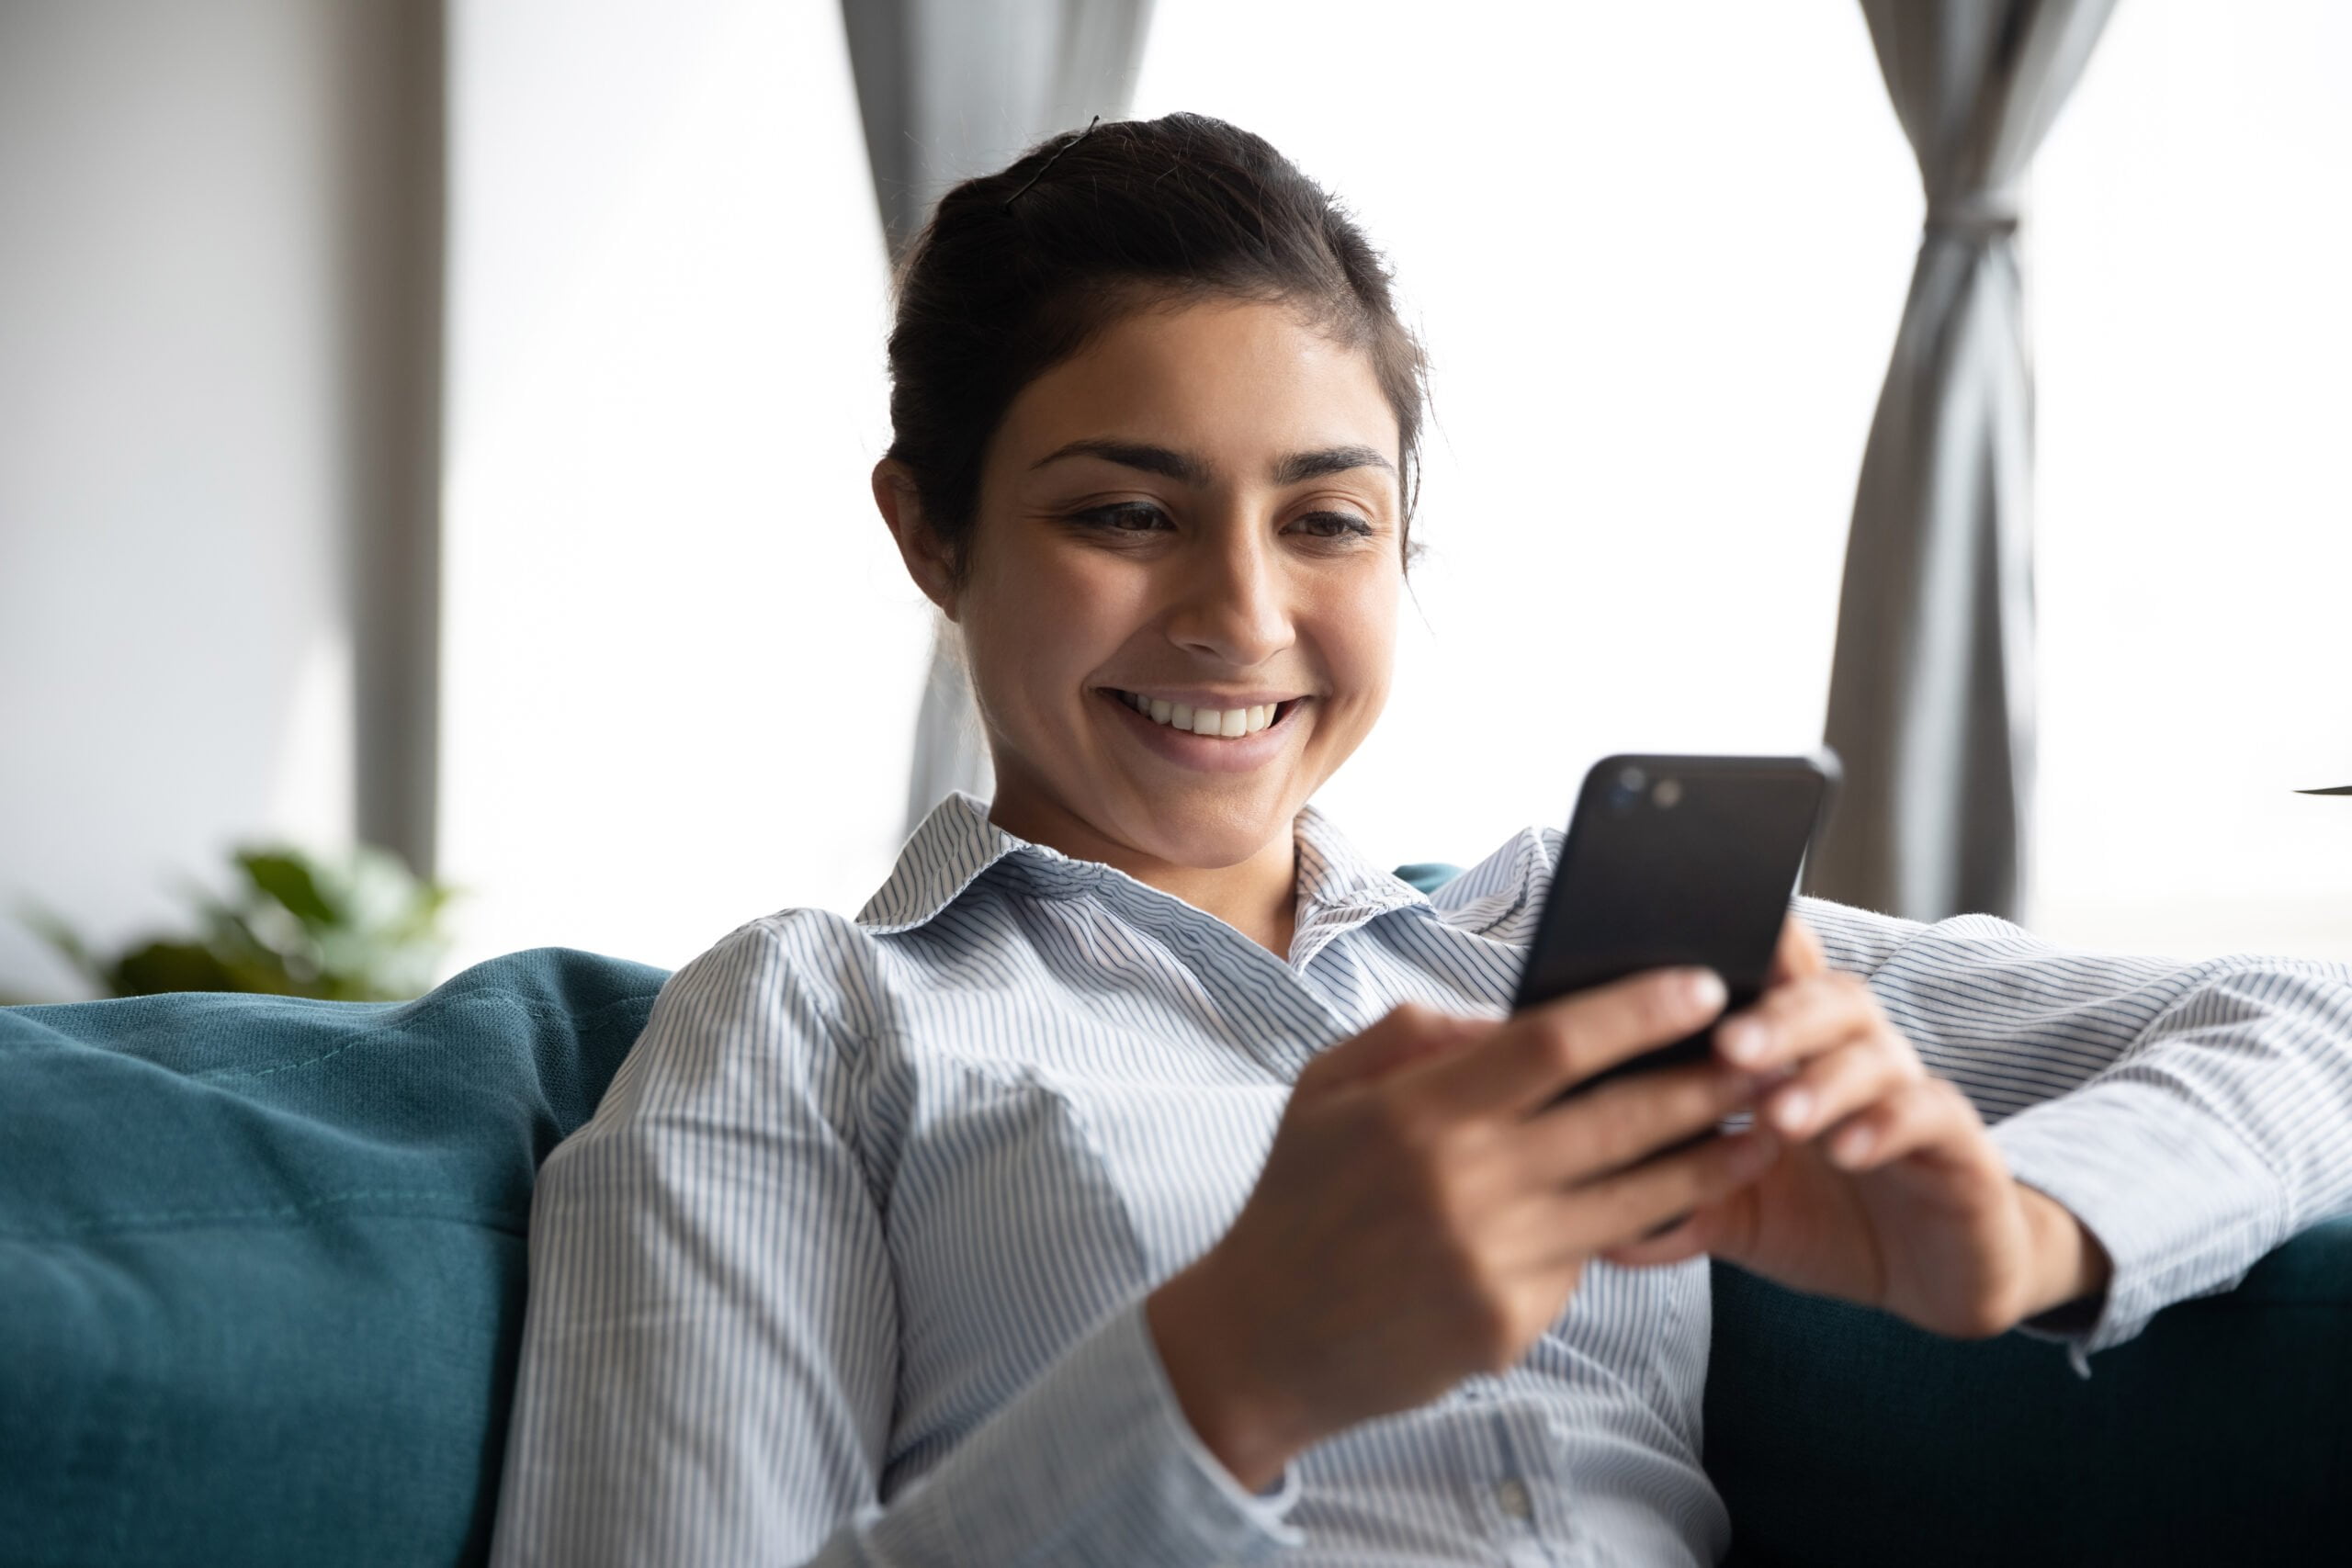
<point>1016,270</point>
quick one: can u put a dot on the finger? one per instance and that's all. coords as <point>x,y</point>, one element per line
<point>1619,1210</point>
<point>1629,1119</point>
<point>1408,1033</point>
<point>1801,1019</point>
<point>1837,1083</point>
<point>1914,1118</point>
<point>1677,1243</point>
<point>1546,1049</point>
<point>1798,955</point>
<point>1724,1228</point>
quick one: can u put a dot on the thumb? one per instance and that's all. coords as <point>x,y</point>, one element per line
<point>1410,1033</point>
<point>1798,955</point>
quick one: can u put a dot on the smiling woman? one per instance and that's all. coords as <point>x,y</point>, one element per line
<point>1143,1176</point>
<point>1179,630</point>
<point>1206,512</point>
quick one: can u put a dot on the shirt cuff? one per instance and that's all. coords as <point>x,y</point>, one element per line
<point>2182,1205</point>
<point>1093,1463</point>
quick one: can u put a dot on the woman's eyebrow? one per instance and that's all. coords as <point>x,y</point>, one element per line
<point>1140,455</point>
<point>1327,460</point>
<point>1185,467</point>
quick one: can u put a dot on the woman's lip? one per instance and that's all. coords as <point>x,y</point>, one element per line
<point>1207,753</point>
<point>1220,701</point>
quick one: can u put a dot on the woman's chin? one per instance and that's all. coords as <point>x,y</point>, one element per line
<point>1209,834</point>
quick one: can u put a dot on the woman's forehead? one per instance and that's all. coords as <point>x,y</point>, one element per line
<point>1239,386</point>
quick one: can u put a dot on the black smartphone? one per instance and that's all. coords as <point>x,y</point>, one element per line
<point>1675,861</point>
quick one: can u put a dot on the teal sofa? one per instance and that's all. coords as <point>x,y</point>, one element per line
<point>262,1271</point>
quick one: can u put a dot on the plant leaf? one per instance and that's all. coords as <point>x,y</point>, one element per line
<point>356,926</point>
<point>171,966</point>
<point>287,877</point>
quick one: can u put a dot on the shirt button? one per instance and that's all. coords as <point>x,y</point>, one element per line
<point>1511,1496</point>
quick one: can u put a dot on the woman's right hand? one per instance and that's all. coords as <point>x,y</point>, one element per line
<point>1426,1210</point>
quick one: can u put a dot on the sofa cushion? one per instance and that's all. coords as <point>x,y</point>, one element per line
<point>262,1260</point>
<point>1841,1437</point>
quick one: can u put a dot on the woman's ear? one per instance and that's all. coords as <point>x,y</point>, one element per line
<point>920,545</point>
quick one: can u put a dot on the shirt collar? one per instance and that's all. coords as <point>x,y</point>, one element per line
<point>946,855</point>
<point>956,844</point>
<point>1339,889</point>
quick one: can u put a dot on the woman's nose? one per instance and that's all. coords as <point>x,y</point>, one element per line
<point>1233,605</point>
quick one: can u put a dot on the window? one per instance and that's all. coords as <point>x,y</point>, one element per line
<point>1659,282</point>
<point>682,658</point>
<point>2192,213</point>
<point>1659,253</point>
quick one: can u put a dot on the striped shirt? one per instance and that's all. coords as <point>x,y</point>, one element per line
<point>848,1266</point>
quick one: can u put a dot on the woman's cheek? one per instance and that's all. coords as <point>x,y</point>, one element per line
<point>1361,638</point>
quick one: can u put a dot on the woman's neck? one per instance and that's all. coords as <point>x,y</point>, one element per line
<point>1257,896</point>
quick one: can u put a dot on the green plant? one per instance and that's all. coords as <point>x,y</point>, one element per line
<point>356,926</point>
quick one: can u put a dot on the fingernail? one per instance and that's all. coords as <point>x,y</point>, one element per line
<point>1790,1111</point>
<point>1705,990</point>
<point>1851,1144</point>
<point>1743,1040</point>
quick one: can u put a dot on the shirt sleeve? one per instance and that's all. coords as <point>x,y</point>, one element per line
<point>2193,1116</point>
<point>710,1358</point>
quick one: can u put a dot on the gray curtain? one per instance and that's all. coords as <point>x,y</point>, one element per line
<point>949,89</point>
<point>1931,696</point>
<point>391,67</point>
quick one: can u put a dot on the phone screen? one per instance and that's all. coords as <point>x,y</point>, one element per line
<point>1676,860</point>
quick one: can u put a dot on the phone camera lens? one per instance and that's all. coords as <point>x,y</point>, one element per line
<point>1631,783</point>
<point>1668,794</point>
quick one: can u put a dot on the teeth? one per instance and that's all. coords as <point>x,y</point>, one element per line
<point>1226,723</point>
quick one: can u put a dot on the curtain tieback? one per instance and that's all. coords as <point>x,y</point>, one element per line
<point>1975,217</point>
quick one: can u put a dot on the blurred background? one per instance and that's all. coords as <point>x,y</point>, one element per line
<point>447,426</point>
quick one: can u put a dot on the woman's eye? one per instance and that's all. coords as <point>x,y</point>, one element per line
<point>1334,525</point>
<point>1126,517</point>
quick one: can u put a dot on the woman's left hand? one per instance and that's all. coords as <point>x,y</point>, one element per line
<point>1888,1191</point>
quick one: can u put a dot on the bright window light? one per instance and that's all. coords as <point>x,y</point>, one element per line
<point>1659,253</point>
<point>2191,216</point>
<point>682,658</point>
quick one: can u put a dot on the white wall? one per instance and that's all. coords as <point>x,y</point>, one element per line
<point>173,652</point>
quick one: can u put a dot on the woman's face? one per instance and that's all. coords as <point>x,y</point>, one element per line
<point>1182,594</point>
